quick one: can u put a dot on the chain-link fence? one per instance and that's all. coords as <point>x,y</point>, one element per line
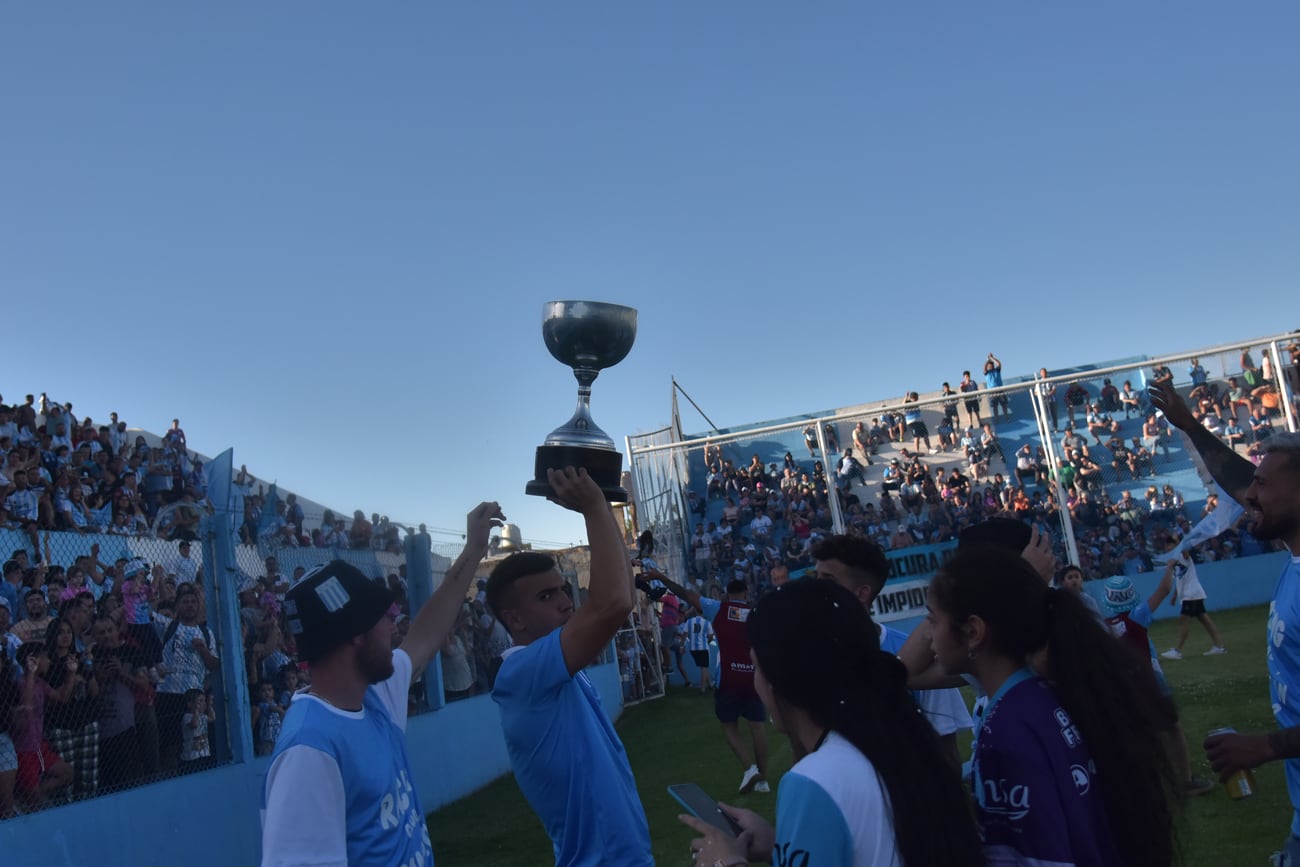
<point>141,660</point>
<point>1080,454</point>
<point>117,669</point>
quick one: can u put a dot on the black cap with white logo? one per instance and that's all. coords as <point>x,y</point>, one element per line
<point>331,604</point>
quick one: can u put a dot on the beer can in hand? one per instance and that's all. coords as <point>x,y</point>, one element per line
<point>1242,783</point>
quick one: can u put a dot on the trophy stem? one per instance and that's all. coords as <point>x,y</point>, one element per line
<point>582,416</point>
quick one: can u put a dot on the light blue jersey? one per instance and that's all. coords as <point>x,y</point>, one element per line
<point>339,783</point>
<point>832,809</point>
<point>1284,669</point>
<point>568,761</point>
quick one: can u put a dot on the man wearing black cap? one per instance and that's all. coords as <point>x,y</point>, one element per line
<point>339,788</point>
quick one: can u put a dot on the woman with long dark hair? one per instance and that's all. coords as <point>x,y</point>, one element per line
<point>870,784</point>
<point>1068,765</point>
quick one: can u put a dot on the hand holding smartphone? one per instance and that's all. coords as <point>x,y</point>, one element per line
<point>702,806</point>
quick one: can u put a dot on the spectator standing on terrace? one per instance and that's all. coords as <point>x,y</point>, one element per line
<point>41,772</point>
<point>72,714</point>
<point>862,441</point>
<point>1271,494</point>
<point>810,439</point>
<point>567,758</point>
<point>915,424</point>
<point>359,534</point>
<point>993,379</point>
<point>339,787</point>
<point>8,700</point>
<point>832,438</point>
<point>33,626</point>
<point>118,676</point>
<point>175,437</point>
<point>968,387</point>
<point>189,655</point>
<point>184,567</point>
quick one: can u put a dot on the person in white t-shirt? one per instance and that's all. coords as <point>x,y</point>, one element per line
<point>1188,589</point>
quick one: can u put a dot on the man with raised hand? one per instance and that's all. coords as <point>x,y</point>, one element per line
<point>567,759</point>
<point>735,696</point>
<point>339,788</point>
<point>1271,494</point>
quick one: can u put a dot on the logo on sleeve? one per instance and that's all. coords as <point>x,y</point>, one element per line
<point>1069,732</point>
<point>1082,780</point>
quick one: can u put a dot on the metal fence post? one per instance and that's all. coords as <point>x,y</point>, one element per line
<point>222,589</point>
<point>419,589</point>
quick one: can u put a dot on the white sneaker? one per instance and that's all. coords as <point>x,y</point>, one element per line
<point>751,777</point>
<point>1172,653</point>
<point>1217,650</point>
<point>762,787</point>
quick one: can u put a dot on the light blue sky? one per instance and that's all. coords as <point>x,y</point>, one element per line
<point>322,233</point>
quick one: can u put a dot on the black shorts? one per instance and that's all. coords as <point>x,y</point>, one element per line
<point>972,406</point>
<point>1193,607</point>
<point>700,658</point>
<point>919,431</point>
<point>729,707</point>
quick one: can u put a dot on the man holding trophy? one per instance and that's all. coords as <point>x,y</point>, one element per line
<point>566,756</point>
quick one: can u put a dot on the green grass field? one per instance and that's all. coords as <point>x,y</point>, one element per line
<point>676,739</point>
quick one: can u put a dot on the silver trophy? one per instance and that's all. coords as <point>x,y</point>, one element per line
<point>588,336</point>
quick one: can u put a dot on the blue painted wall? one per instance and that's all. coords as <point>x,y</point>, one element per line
<point>211,819</point>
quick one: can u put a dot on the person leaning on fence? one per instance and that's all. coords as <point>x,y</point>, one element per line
<point>340,789</point>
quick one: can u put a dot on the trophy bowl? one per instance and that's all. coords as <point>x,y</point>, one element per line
<point>588,336</point>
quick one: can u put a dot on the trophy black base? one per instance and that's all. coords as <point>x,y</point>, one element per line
<point>605,467</point>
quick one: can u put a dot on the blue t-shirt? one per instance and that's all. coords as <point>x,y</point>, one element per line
<point>993,378</point>
<point>1284,669</point>
<point>1036,793</point>
<point>568,760</point>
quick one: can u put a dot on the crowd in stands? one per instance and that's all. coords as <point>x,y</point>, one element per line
<point>930,489</point>
<point>61,472</point>
<point>107,668</point>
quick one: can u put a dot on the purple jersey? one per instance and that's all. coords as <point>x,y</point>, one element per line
<point>1036,791</point>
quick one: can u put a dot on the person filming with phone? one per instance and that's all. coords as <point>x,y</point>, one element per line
<point>870,784</point>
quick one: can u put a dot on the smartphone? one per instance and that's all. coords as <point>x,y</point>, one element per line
<point>700,805</point>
